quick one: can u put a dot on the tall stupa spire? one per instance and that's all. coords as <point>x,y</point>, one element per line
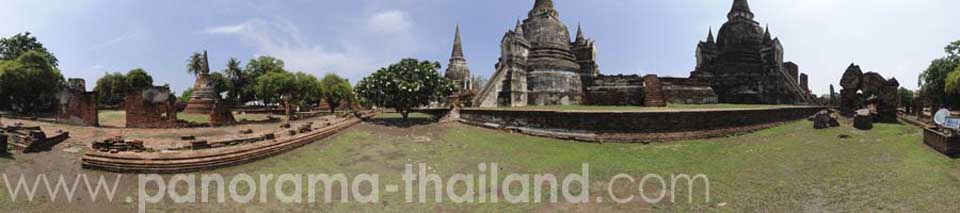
<point>457,46</point>
<point>741,8</point>
<point>543,6</point>
<point>579,33</point>
<point>519,28</point>
<point>710,36</point>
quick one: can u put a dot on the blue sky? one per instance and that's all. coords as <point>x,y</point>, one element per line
<point>353,38</point>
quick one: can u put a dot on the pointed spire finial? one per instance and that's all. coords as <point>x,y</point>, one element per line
<point>519,28</point>
<point>740,9</point>
<point>457,46</point>
<point>206,63</point>
<point>579,32</point>
<point>710,36</point>
<point>543,6</point>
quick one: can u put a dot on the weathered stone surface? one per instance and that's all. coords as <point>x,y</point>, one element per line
<point>538,65</point>
<point>850,100</point>
<point>204,94</point>
<point>745,64</point>
<point>872,84</point>
<point>457,70</point>
<point>633,126</point>
<point>617,90</point>
<point>688,91</point>
<point>221,115</point>
<point>946,143</point>
<point>653,91</point>
<point>151,108</point>
<point>824,119</point>
<point>77,106</point>
<point>889,102</point>
<point>862,120</point>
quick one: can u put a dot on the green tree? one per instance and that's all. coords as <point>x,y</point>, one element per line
<point>254,70</point>
<point>30,83</point>
<point>334,90</point>
<point>19,44</point>
<point>405,85</point>
<point>286,88</point>
<point>196,63</point>
<point>220,83</point>
<point>933,81</point>
<point>138,79</point>
<point>237,82</point>
<point>906,97</point>
<point>185,95</point>
<point>111,89</point>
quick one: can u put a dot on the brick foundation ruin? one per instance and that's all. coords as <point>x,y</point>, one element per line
<point>30,139</point>
<point>654,92</point>
<point>77,106</point>
<point>221,115</point>
<point>151,108</point>
<point>128,156</point>
<point>688,91</point>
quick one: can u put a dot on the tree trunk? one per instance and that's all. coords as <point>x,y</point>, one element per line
<point>287,110</point>
<point>405,113</point>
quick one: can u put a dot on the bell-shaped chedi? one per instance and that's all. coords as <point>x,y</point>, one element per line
<point>204,94</point>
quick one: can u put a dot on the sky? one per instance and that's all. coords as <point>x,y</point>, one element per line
<point>353,38</point>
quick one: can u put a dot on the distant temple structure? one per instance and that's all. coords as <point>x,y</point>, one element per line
<point>539,65</point>
<point>204,94</point>
<point>745,65</point>
<point>457,70</point>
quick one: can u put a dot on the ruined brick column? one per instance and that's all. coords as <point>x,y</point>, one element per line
<point>653,92</point>
<point>77,106</point>
<point>221,115</point>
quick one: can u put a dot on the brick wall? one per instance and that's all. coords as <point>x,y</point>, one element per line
<point>615,90</point>
<point>634,122</point>
<point>78,108</point>
<point>151,112</point>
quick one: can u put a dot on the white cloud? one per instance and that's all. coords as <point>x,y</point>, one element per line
<point>354,53</point>
<point>389,22</point>
<point>229,29</point>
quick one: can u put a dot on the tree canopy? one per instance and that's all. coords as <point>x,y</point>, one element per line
<point>113,87</point>
<point>21,43</point>
<point>30,83</point>
<point>405,85</point>
<point>939,82</point>
<point>334,90</point>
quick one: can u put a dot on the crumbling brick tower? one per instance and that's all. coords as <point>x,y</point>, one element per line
<point>76,105</point>
<point>151,108</point>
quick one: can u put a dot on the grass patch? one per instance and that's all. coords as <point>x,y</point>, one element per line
<point>787,167</point>
<point>642,108</point>
<point>116,118</point>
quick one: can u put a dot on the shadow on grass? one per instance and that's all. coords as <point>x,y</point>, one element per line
<point>7,156</point>
<point>399,122</point>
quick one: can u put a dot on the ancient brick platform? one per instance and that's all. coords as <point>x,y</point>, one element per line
<point>630,127</point>
<point>206,159</point>
<point>947,144</point>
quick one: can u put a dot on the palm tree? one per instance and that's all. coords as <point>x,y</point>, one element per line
<point>237,79</point>
<point>195,63</point>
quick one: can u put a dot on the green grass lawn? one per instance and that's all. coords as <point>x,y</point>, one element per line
<point>791,167</point>
<point>787,168</point>
<point>642,108</point>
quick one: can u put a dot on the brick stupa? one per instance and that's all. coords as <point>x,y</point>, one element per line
<point>204,95</point>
